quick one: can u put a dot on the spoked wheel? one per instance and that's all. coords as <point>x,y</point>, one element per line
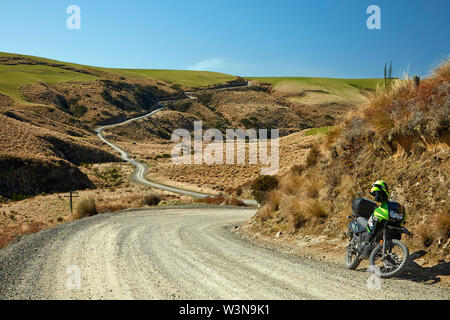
<point>394,261</point>
<point>352,257</point>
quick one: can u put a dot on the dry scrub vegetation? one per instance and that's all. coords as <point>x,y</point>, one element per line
<point>401,136</point>
<point>44,211</point>
<point>228,178</point>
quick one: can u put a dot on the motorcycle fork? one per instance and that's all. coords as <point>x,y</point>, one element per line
<point>385,244</point>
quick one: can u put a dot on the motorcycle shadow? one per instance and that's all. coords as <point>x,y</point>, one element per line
<point>415,272</point>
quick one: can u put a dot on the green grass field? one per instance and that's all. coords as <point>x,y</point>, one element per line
<point>316,131</point>
<point>321,90</point>
<point>308,90</point>
<point>182,77</point>
<point>13,76</point>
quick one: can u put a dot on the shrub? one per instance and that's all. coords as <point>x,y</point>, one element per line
<point>312,188</point>
<point>425,235</point>
<point>85,208</point>
<point>111,207</point>
<point>235,202</point>
<point>264,213</point>
<point>442,225</point>
<point>313,208</point>
<point>274,199</point>
<point>291,183</point>
<point>212,200</point>
<point>79,111</point>
<point>311,159</point>
<point>297,169</point>
<point>261,186</point>
<point>292,211</point>
<point>19,197</point>
<point>151,199</point>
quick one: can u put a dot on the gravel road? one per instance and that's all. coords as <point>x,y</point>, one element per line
<point>176,253</point>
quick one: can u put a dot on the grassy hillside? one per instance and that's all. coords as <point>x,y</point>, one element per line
<point>321,90</point>
<point>182,77</point>
<point>17,70</point>
<point>14,76</point>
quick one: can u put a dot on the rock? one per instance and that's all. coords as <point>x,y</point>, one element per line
<point>278,234</point>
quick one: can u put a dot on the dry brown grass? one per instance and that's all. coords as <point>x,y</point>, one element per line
<point>214,178</point>
<point>379,142</point>
<point>85,208</point>
<point>151,199</point>
<point>292,211</point>
<point>112,206</point>
<point>265,212</point>
<point>426,235</point>
<point>407,110</point>
<point>442,225</point>
<point>314,208</point>
<point>443,71</point>
<point>274,199</point>
<point>291,182</point>
<point>332,135</point>
<point>312,156</point>
<point>312,188</point>
<point>221,200</point>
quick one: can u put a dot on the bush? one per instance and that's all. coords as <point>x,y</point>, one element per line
<point>313,208</point>
<point>79,111</point>
<point>85,208</point>
<point>292,211</point>
<point>261,186</point>
<point>151,199</point>
<point>312,156</point>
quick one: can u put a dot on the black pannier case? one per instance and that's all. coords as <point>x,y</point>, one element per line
<point>362,207</point>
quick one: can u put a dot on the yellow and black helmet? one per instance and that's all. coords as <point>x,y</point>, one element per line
<point>380,191</point>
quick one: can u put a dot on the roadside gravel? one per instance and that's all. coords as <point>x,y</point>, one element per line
<point>177,253</point>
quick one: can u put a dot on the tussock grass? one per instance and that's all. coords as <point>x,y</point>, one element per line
<point>221,200</point>
<point>442,225</point>
<point>85,208</point>
<point>312,188</point>
<point>401,136</point>
<point>312,156</point>
<point>151,199</point>
<point>274,199</point>
<point>292,211</point>
<point>291,183</point>
<point>112,206</point>
<point>426,235</point>
<point>314,208</point>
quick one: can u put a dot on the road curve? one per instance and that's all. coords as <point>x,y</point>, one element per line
<point>141,168</point>
<point>176,253</point>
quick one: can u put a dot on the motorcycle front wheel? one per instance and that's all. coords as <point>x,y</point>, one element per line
<point>393,262</point>
<point>352,258</point>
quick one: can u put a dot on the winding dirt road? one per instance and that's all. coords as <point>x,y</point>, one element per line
<point>186,252</point>
<point>176,253</point>
<point>141,169</point>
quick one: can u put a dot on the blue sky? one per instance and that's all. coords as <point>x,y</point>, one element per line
<point>326,38</point>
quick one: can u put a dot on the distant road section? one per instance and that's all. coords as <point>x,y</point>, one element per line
<point>141,169</point>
